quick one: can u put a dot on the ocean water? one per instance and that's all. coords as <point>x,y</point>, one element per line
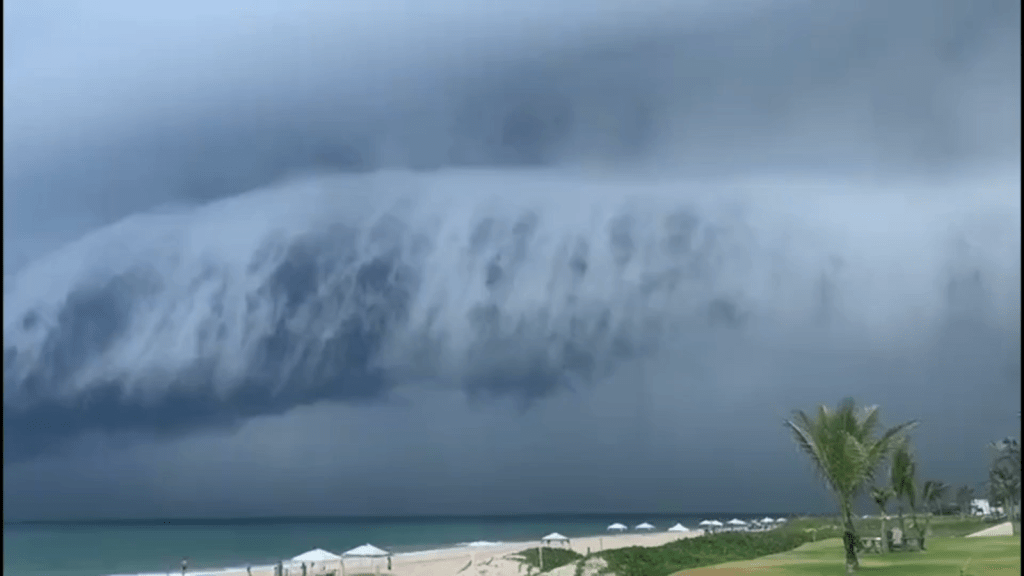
<point>157,546</point>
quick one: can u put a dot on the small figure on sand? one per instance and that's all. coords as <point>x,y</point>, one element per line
<point>184,565</point>
<point>248,569</point>
<point>303,569</point>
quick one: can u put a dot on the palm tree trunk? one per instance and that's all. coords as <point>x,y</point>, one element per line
<point>1014,519</point>
<point>915,522</point>
<point>850,540</point>
<point>923,532</point>
<point>885,541</point>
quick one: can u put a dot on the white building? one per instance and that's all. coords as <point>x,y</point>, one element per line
<point>981,507</point>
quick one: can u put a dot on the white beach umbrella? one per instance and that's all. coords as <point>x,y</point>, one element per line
<point>316,555</point>
<point>364,551</point>
<point>704,523</point>
<point>679,528</point>
<point>617,526</point>
<point>554,537</point>
<point>737,523</point>
<point>644,526</point>
<point>716,524</point>
<point>780,519</point>
<point>766,520</point>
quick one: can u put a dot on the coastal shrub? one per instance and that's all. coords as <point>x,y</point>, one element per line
<point>590,565</point>
<point>705,551</point>
<point>553,557</point>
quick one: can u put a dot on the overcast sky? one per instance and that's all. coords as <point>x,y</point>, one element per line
<point>473,257</point>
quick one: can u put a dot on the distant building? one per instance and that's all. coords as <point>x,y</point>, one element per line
<point>980,507</point>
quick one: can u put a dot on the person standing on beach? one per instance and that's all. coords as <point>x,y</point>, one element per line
<point>184,565</point>
<point>303,569</point>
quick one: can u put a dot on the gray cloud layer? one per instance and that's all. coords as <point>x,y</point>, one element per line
<point>212,237</point>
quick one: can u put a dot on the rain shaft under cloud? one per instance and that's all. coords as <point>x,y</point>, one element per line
<point>699,204</point>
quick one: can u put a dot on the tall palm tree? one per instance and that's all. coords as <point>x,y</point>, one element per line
<point>901,478</point>
<point>843,445</point>
<point>1005,477</point>
<point>933,493</point>
<point>881,496</point>
<point>964,495</point>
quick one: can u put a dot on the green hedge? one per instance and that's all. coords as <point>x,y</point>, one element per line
<point>706,551</point>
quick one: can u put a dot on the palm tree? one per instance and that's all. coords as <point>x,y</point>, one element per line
<point>964,495</point>
<point>932,494</point>
<point>846,452</point>
<point>881,496</point>
<point>901,478</point>
<point>1005,478</point>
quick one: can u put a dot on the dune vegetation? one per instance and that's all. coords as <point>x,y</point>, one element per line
<point>705,551</point>
<point>552,557</point>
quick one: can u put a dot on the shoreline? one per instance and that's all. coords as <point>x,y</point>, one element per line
<point>450,560</point>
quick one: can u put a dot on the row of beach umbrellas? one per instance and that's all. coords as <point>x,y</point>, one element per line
<point>371,551</point>
<point>323,556</point>
<point>617,527</point>
<point>739,523</point>
<point>645,526</point>
<point>622,527</point>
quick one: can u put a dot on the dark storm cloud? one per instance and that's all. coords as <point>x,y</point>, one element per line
<point>143,106</point>
<point>529,276</point>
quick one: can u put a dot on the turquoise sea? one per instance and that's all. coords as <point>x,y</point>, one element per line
<point>157,546</point>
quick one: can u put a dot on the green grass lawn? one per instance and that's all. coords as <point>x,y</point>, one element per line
<point>939,525</point>
<point>992,556</point>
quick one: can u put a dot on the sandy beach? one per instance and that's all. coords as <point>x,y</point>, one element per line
<point>490,560</point>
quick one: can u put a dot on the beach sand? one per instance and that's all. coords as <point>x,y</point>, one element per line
<point>471,561</point>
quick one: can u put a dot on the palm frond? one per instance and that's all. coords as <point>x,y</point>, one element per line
<point>902,474</point>
<point>857,464</point>
<point>804,429</point>
<point>842,444</point>
<point>868,420</point>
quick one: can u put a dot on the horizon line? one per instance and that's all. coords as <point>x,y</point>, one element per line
<point>364,517</point>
